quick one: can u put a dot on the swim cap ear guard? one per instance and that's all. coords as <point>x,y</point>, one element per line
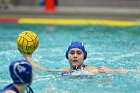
<point>77,44</point>
<point>21,72</point>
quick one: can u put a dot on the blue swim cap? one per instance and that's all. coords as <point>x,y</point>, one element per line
<point>21,72</point>
<point>77,44</point>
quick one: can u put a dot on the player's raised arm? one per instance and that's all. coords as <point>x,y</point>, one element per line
<point>27,42</point>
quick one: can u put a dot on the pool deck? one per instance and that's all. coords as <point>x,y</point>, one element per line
<point>73,12</point>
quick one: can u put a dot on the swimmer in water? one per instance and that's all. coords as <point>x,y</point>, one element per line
<point>76,54</point>
<point>21,74</point>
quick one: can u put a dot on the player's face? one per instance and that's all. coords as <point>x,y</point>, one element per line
<point>76,57</point>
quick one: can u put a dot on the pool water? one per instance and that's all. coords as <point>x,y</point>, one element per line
<point>114,47</point>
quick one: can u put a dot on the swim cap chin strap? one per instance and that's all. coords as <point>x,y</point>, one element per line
<point>29,90</point>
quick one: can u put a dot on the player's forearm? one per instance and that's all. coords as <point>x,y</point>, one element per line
<point>36,66</point>
<point>123,70</point>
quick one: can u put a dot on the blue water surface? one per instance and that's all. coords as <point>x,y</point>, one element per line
<point>114,47</point>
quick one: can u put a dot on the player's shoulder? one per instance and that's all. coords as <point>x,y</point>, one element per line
<point>65,69</point>
<point>9,91</point>
<point>91,67</point>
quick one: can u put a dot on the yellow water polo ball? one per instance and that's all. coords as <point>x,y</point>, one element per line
<point>27,42</point>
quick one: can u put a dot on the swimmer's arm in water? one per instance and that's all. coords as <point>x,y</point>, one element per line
<point>28,57</point>
<point>103,69</point>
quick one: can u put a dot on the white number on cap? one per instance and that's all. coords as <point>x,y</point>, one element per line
<point>21,68</point>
